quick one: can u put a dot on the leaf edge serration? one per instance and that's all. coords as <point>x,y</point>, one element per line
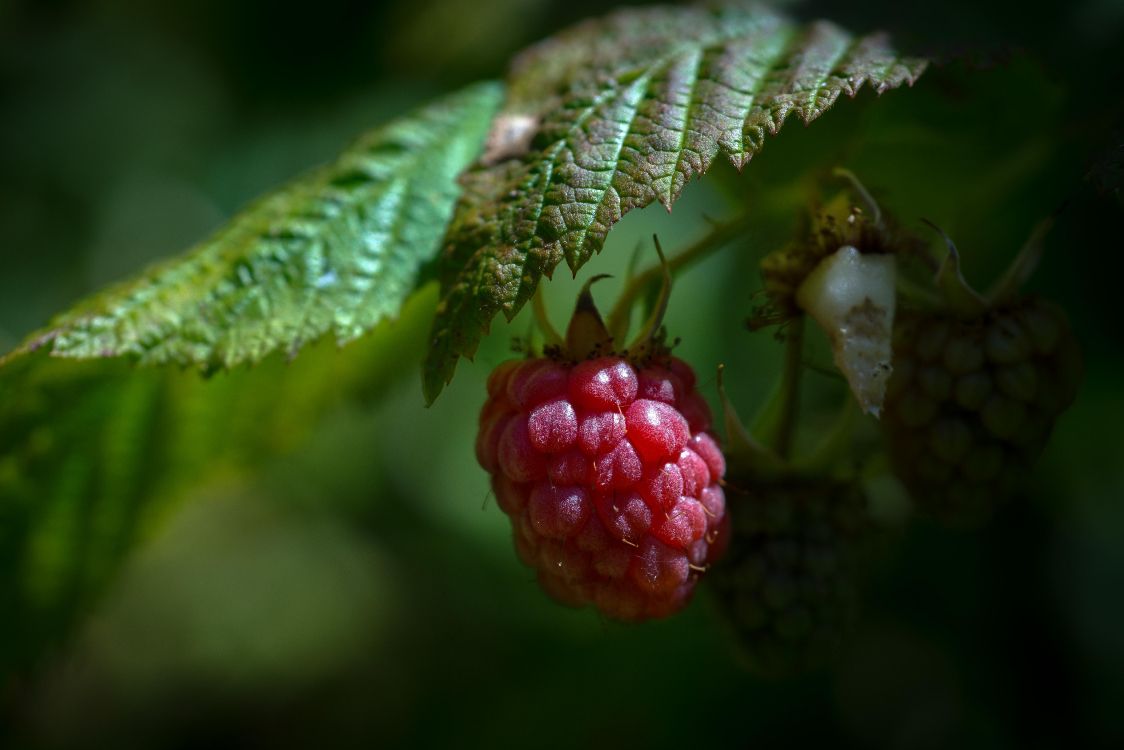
<point>507,233</point>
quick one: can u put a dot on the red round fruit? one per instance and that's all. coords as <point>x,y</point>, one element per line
<point>610,476</point>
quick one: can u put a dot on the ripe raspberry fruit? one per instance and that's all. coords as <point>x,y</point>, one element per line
<point>788,584</point>
<point>609,473</point>
<point>972,401</point>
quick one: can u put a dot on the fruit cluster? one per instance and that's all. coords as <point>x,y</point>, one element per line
<point>603,458</point>
<point>610,476</point>
<point>971,402</point>
<point>788,584</point>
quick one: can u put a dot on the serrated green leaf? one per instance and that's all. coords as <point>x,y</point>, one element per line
<point>95,452</point>
<point>615,114</point>
<point>335,251</point>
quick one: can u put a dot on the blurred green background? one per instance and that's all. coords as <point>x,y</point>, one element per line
<point>359,587</point>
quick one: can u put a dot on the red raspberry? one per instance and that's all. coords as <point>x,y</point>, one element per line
<point>610,476</point>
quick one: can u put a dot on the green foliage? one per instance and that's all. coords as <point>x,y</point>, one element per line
<point>95,455</point>
<point>262,509</point>
<point>610,116</point>
<point>615,114</point>
<point>334,251</point>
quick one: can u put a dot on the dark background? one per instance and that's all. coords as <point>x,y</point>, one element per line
<point>362,590</point>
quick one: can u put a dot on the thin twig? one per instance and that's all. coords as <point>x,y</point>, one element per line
<point>549,332</point>
<point>637,285</point>
<point>790,386</point>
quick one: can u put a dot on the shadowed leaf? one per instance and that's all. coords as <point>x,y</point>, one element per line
<point>615,114</point>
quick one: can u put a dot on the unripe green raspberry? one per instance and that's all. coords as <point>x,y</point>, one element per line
<point>972,402</point>
<point>788,585</point>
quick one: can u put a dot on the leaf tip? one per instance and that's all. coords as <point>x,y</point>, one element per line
<point>434,380</point>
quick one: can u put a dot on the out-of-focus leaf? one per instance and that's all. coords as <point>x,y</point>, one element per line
<point>615,114</point>
<point>96,454</point>
<point>335,251</point>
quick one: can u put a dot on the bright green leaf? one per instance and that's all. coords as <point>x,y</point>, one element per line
<point>615,114</point>
<point>335,251</point>
<point>95,451</point>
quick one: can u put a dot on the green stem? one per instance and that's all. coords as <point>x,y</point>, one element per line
<point>775,425</point>
<point>864,194</point>
<point>655,319</point>
<point>549,332</point>
<point>790,387</point>
<point>637,285</point>
<point>836,442</point>
<point>745,454</point>
<point>1020,271</point>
